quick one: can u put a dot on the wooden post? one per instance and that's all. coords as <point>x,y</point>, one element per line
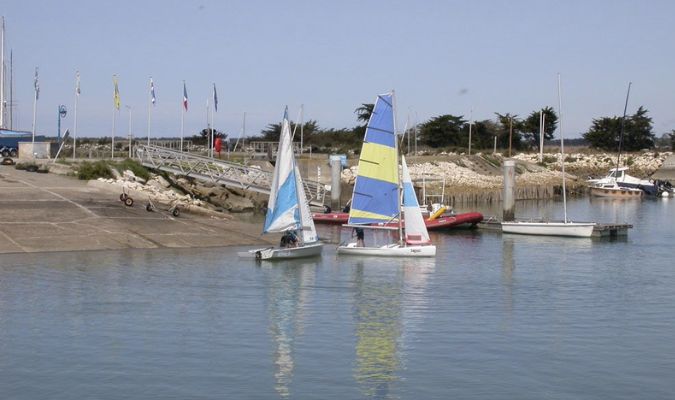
<point>509,197</point>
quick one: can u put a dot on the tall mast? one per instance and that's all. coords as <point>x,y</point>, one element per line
<point>398,199</point>
<point>623,124</point>
<point>11,90</point>
<point>562,150</point>
<point>2,72</point>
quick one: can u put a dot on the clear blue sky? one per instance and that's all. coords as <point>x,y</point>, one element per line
<point>440,57</point>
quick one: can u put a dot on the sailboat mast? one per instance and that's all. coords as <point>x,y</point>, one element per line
<point>2,72</point>
<point>400,214</point>
<point>562,150</point>
<point>623,124</point>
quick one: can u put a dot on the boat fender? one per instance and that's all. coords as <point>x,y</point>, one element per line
<point>438,213</point>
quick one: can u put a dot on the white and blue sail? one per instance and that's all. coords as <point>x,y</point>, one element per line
<point>287,208</point>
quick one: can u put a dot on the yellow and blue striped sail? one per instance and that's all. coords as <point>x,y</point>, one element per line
<point>376,191</point>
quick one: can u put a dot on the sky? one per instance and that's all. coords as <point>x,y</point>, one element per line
<point>470,58</point>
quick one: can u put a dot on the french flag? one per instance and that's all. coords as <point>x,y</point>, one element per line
<point>185,98</point>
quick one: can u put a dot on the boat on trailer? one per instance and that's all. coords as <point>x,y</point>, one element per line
<point>376,199</point>
<point>287,209</point>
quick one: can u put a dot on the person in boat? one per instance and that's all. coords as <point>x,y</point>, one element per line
<point>289,239</point>
<point>358,232</point>
<point>327,209</point>
<point>346,209</point>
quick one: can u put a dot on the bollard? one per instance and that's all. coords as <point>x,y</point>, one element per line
<point>335,173</point>
<point>509,197</point>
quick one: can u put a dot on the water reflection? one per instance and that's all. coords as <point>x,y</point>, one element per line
<point>287,305</point>
<point>508,266</point>
<point>389,298</point>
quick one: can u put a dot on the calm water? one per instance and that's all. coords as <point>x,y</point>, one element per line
<point>492,317</point>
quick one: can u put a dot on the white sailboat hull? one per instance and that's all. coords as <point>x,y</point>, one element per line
<point>285,253</point>
<point>390,250</point>
<point>573,229</point>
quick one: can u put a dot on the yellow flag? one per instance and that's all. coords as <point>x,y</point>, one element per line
<point>116,93</point>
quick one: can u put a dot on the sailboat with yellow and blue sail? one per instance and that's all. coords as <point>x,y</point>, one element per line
<point>376,200</point>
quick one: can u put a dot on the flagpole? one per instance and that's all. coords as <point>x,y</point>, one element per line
<point>77,98</point>
<point>302,115</point>
<point>208,127</point>
<point>213,113</point>
<point>149,109</point>
<point>2,74</point>
<point>34,115</point>
<point>112,151</point>
<point>182,118</point>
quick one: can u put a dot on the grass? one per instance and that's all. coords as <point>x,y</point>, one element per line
<point>102,169</point>
<point>25,165</point>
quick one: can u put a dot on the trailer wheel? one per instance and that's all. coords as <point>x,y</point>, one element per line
<point>175,212</point>
<point>5,153</point>
<point>128,201</point>
<point>123,197</point>
<point>148,207</point>
<point>13,153</point>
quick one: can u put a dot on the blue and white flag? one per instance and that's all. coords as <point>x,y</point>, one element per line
<point>153,99</point>
<point>77,83</point>
<point>36,83</point>
<point>215,98</point>
<point>185,98</point>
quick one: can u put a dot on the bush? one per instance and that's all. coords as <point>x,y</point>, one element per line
<point>26,166</point>
<point>135,167</point>
<point>549,160</point>
<point>98,169</point>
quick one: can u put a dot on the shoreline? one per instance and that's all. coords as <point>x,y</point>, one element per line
<point>55,213</point>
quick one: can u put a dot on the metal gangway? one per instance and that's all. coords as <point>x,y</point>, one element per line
<point>227,173</point>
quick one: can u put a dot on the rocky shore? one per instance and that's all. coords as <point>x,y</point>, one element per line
<point>478,178</point>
